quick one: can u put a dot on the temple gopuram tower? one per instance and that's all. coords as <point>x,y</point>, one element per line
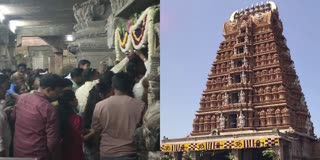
<point>253,102</point>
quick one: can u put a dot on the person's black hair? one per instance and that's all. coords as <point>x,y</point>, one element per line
<point>5,71</point>
<point>133,67</point>
<point>83,62</point>
<point>4,78</point>
<point>123,82</point>
<point>93,99</point>
<point>18,87</point>
<point>76,72</point>
<point>22,65</point>
<point>51,81</point>
<point>33,78</point>
<point>65,111</point>
<point>106,77</point>
<point>103,87</point>
<point>88,74</point>
<point>67,83</point>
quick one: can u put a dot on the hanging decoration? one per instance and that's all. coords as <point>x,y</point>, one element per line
<point>222,145</point>
<point>138,35</point>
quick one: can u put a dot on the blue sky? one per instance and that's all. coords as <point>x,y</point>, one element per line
<point>191,31</point>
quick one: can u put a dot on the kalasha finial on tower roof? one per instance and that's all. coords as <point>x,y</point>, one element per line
<point>273,7</point>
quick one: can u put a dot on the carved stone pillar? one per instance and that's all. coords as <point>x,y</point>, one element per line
<point>250,119</point>
<point>58,60</point>
<point>270,117</point>
<point>11,51</point>
<point>285,116</point>
<point>51,63</point>
<point>262,118</point>
<point>3,56</point>
<point>201,124</point>
<point>207,124</point>
<point>94,33</point>
<point>282,92</point>
<point>5,40</point>
<point>213,122</point>
<point>278,117</point>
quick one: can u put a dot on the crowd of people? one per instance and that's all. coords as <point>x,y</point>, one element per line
<point>85,115</point>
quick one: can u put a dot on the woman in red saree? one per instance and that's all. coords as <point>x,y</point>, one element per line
<point>71,127</point>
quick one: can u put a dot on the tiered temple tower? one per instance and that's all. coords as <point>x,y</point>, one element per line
<point>252,91</point>
<point>253,83</point>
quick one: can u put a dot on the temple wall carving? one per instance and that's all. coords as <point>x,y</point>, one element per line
<point>117,5</point>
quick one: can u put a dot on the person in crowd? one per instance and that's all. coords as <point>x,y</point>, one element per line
<point>66,85</point>
<point>22,68</point>
<point>5,132</point>
<point>71,127</point>
<point>21,88</point>
<point>6,72</point>
<point>139,68</point>
<point>76,78</point>
<point>84,64</point>
<point>34,82</point>
<point>16,78</point>
<point>90,76</point>
<point>116,118</point>
<point>99,92</point>
<point>102,67</point>
<point>36,123</point>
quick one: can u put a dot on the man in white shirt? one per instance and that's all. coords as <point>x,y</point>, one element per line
<point>5,133</point>
<point>91,78</point>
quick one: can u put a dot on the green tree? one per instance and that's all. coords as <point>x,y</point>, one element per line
<point>271,153</point>
<point>187,156</point>
<point>166,157</point>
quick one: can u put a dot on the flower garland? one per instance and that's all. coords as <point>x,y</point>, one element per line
<point>139,34</point>
<point>151,33</point>
<point>123,40</point>
<point>116,45</point>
